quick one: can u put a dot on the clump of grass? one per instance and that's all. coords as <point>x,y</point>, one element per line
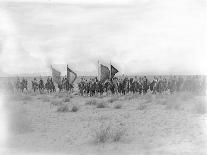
<point>102,134</point>
<point>63,108</point>
<point>142,106</point>
<point>101,105</point>
<point>118,106</point>
<point>45,99</point>
<point>105,133</point>
<point>56,103</point>
<point>67,99</point>
<point>91,102</point>
<point>113,99</point>
<point>74,109</point>
<point>117,134</point>
<point>131,96</point>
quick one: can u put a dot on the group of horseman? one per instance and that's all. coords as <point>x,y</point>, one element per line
<point>141,85</point>
<point>121,85</point>
<point>40,86</point>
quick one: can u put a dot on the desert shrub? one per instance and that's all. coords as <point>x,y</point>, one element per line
<point>131,96</point>
<point>117,134</point>
<point>56,103</point>
<point>142,106</point>
<point>101,105</point>
<point>63,108</point>
<point>91,102</point>
<point>102,134</point>
<point>109,133</point>
<point>67,99</point>
<point>45,99</point>
<point>118,106</point>
<point>74,109</point>
<point>113,99</point>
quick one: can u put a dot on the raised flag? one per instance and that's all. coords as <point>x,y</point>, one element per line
<point>56,76</point>
<point>113,71</point>
<point>104,73</point>
<point>69,77</point>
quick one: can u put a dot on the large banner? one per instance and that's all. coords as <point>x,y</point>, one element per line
<point>71,78</point>
<point>56,76</point>
<point>113,71</point>
<point>104,73</point>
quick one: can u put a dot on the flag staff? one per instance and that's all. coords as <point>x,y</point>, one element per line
<point>98,71</point>
<point>110,70</point>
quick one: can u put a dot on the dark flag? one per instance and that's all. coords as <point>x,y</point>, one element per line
<point>104,73</point>
<point>69,76</point>
<point>113,71</point>
<point>56,76</point>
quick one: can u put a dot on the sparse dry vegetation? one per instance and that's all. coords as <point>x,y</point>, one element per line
<point>91,102</point>
<point>107,133</point>
<point>142,106</point>
<point>113,99</point>
<point>67,99</point>
<point>101,105</point>
<point>56,103</point>
<point>117,134</point>
<point>63,108</point>
<point>102,134</point>
<point>118,106</point>
<point>74,108</point>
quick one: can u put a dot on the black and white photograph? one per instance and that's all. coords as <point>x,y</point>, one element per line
<point>103,77</point>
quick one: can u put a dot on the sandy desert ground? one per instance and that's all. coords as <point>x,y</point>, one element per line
<point>62,123</point>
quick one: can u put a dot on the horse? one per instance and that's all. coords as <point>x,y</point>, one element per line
<point>34,86</point>
<point>41,86</point>
<point>23,85</point>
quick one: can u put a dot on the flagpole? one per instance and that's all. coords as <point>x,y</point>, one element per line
<point>110,69</point>
<point>98,71</point>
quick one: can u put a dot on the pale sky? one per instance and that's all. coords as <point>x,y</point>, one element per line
<point>137,36</point>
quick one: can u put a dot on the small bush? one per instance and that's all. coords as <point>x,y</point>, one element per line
<point>117,134</point>
<point>106,133</point>
<point>118,106</point>
<point>91,102</point>
<point>102,134</point>
<point>74,109</point>
<point>56,103</point>
<point>112,99</point>
<point>63,108</point>
<point>101,105</point>
<point>142,107</point>
<point>67,99</point>
<point>45,99</point>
